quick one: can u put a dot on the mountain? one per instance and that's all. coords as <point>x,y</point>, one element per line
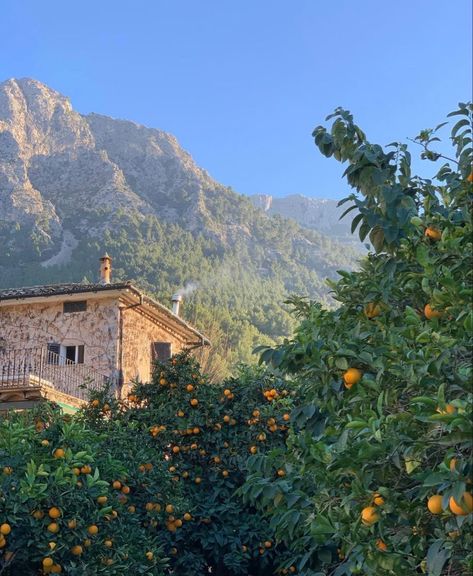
<point>73,186</point>
<point>318,214</point>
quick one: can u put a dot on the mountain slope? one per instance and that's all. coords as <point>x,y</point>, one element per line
<point>72,186</point>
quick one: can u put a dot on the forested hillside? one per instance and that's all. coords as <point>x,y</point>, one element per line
<point>73,187</point>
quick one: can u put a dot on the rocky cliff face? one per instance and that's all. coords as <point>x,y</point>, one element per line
<point>318,214</point>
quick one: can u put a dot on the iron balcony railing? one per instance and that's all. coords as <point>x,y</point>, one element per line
<point>32,367</point>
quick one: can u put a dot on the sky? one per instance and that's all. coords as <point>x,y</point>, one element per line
<point>242,83</point>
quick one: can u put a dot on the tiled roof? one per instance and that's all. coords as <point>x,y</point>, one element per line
<point>66,289</point>
<point>58,289</point>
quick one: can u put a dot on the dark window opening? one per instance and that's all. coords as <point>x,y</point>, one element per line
<point>78,306</point>
<point>161,351</point>
<point>53,353</point>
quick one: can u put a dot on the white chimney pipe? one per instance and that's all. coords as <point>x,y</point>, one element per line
<point>176,303</point>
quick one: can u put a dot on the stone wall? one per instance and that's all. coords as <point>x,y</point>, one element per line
<point>35,325</point>
<point>139,332</point>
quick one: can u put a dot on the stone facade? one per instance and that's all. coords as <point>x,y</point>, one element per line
<point>30,325</point>
<point>139,333</point>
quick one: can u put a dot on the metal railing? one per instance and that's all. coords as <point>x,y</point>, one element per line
<point>33,367</point>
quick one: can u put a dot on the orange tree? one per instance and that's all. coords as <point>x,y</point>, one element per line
<point>64,498</point>
<point>205,433</point>
<point>379,453</point>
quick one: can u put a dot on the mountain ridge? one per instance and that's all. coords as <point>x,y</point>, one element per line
<point>72,186</point>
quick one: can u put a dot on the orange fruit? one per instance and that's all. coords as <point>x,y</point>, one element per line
<point>95,403</point>
<point>47,562</point>
<point>149,556</point>
<point>102,500</point>
<point>434,504</point>
<point>53,527</point>
<point>281,472</point>
<point>54,512</point>
<point>286,417</point>
<point>77,550</point>
<point>189,388</point>
<point>194,402</point>
<point>256,413</point>
<point>38,514</point>
<point>7,470</point>
<point>430,313</point>
<point>72,524</point>
<point>253,449</point>
<point>268,544</point>
<point>227,392</point>
<point>44,442</point>
<point>169,508</point>
<point>176,449</point>
<point>198,480</point>
<point>76,471</point>
<point>92,529</point>
<point>378,500</point>
<point>470,177</point>
<point>433,233</point>
<point>117,485</point>
<point>369,515</point>
<point>352,376</point>
<point>226,418</point>
<point>464,508</point>
<point>125,489</point>
<point>225,473</point>
<point>380,545</point>
<point>187,517</point>
<point>108,543</point>
<point>453,464</point>
<point>59,453</point>
<point>372,310</point>
<point>5,529</point>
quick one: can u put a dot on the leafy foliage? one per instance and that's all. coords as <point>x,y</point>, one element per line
<point>383,417</point>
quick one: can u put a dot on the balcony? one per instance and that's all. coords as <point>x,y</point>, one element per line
<point>33,374</point>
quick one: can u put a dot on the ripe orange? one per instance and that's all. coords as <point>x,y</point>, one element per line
<point>108,543</point>
<point>54,512</point>
<point>286,417</point>
<point>59,453</point>
<point>434,504</point>
<point>53,527</point>
<point>5,529</point>
<point>176,449</point>
<point>225,473</point>
<point>369,515</point>
<point>194,402</point>
<point>44,442</point>
<point>48,562</point>
<point>86,469</point>
<point>378,500</point>
<point>189,388</point>
<point>117,485</point>
<point>7,470</point>
<point>430,313</point>
<point>198,480</point>
<point>76,471</point>
<point>169,508</point>
<point>77,550</point>
<point>256,413</point>
<point>95,403</point>
<point>372,310</point>
<point>380,545</point>
<point>433,233</point>
<point>92,529</point>
<point>187,517</point>
<point>226,418</point>
<point>268,544</point>
<point>227,392</point>
<point>149,556</point>
<point>281,472</point>
<point>125,489</point>
<point>102,500</point>
<point>253,449</point>
<point>352,376</point>
<point>38,514</point>
<point>465,506</point>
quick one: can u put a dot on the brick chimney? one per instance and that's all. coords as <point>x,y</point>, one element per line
<point>105,269</point>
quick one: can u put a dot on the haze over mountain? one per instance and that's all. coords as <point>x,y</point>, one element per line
<point>73,186</point>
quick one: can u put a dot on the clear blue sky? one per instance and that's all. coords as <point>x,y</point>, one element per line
<point>242,83</point>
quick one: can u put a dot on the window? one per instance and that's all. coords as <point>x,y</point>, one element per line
<point>58,354</point>
<point>78,306</point>
<point>161,351</point>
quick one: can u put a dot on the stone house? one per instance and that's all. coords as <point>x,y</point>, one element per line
<point>65,333</point>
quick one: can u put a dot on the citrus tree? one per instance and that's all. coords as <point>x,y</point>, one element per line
<point>378,456</point>
<point>63,498</point>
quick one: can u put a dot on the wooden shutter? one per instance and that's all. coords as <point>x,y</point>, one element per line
<point>161,351</point>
